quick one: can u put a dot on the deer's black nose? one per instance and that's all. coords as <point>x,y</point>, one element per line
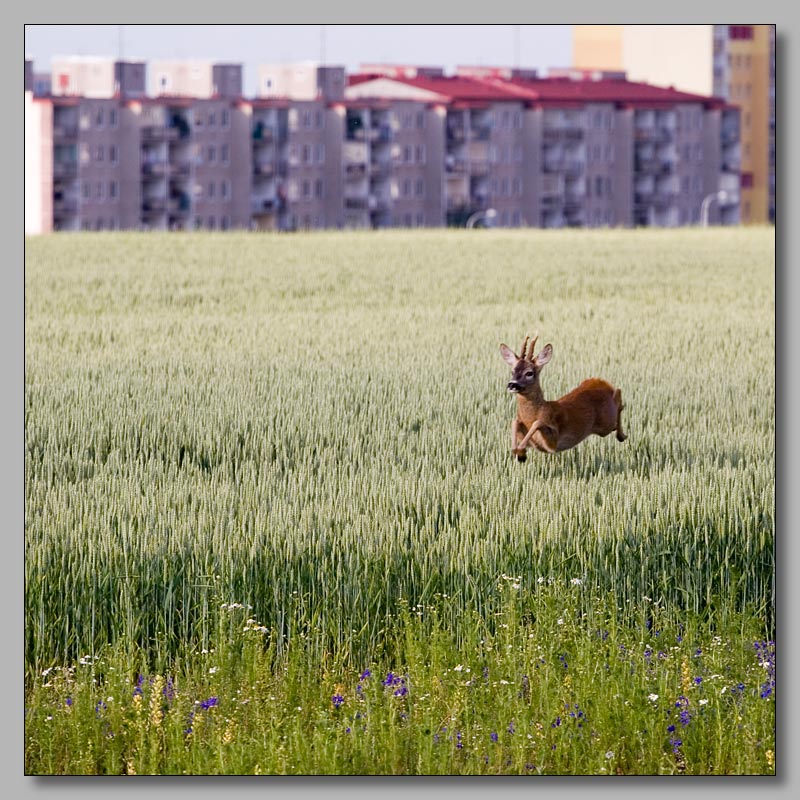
<point>513,386</point>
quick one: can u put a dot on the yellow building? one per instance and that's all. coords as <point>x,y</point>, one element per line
<point>736,62</point>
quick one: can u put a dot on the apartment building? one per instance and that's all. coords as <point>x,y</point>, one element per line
<point>395,146</point>
<point>734,62</point>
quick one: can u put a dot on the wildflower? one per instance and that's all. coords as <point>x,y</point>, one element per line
<point>652,697</point>
<point>401,691</point>
<point>698,681</point>
<point>337,700</point>
<point>560,621</point>
<point>206,704</point>
<point>510,728</point>
<point>364,675</point>
<point>347,730</point>
<point>493,736</point>
<point>703,701</point>
<point>609,754</point>
<point>213,670</point>
<point>556,723</point>
<point>458,668</point>
<point>576,581</point>
<point>138,688</point>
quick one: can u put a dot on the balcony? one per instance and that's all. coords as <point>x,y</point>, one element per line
<point>264,170</point>
<point>729,134</point>
<point>480,134</point>
<point>180,170</point>
<point>65,207</point>
<point>357,203</point>
<point>354,152</point>
<point>381,134</point>
<point>179,204</point>
<point>158,133</point>
<point>65,133</point>
<point>380,169</point>
<point>65,169</point>
<point>264,205</point>
<point>554,133</point>
<point>645,134</point>
<point>263,134</point>
<point>155,169</point>
<point>355,171</point>
<point>456,133</point>
<point>154,204</point>
<point>552,185</point>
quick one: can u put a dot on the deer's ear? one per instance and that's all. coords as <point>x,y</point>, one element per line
<point>508,355</point>
<point>544,356</point>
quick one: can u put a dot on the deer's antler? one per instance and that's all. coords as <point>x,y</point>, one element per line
<point>524,345</point>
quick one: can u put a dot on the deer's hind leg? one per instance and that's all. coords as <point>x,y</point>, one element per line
<point>621,435</point>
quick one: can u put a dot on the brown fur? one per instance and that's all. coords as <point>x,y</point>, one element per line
<point>594,407</point>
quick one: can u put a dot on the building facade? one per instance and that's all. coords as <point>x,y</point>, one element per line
<point>387,147</point>
<point>732,62</point>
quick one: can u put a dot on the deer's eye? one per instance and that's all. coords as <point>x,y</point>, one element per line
<point>529,373</point>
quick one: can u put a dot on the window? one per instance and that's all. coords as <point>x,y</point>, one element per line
<point>100,190</point>
<point>420,154</point>
<point>517,186</point>
<point>212,223</point>
<point>112,190</point>
<point>112,117</point>
<point>86,189</point>
<point>504,187</point>
<point>319,188</point>
<point>407,187</point>
<point>112,154</point>
<point>598,186</point>
<point>198,120</point>
<point>320,153</point>
<point>306,153</point>
<point>516,218</point>
<point>211,189</point>
<point>420,187</point>
<point>740,31</point>
<point>225,153</point>
<point>746,180</point>
<point>517,153</point>
<point>225,118</point>
<point>517,120</point>
<point>198,223</point>
<point>408,154</point>
<point>225,189</point>
<point>225,223</point>
<point>307,120</point>
<point>685,184</point>
<point>505,120</point>
<point>212,154</point>
<point>698,152</point>
<point>100,154</point>
<point>420,219</point>
<point>306,189</point>
<point>420,119</point>
<point>98,119</point>
<point>212,119</point>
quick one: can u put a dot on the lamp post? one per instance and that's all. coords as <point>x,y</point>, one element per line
<point>721,196</point>
<point>489,214</point>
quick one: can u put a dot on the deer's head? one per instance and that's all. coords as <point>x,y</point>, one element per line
<point>525,367</point>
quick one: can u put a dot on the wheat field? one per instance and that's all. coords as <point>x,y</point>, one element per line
<point>317,426</point>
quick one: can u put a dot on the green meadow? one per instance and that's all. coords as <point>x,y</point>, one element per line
<point>258,466</point>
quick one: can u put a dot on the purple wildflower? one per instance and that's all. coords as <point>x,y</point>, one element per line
<point>337,700</point>
<point>389,679</point>
<point>459,743</point>
<point>206,704</point>
<point>139,683</point>
<point>556,723</point>
<point>510,728</point>
<point>347,730</point>
<point>493,736</point>
<point>68,701</point>
<point>364,675</point>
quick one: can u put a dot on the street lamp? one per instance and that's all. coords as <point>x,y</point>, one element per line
<point>488,215</point>
<point>721,196</point>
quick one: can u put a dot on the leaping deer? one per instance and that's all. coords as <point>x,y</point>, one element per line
<point>554,425</point>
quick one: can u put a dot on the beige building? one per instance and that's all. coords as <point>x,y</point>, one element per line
<point>734,62</point>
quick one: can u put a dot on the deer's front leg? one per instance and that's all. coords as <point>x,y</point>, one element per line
<point>527,438</point>
<point>518,451</point>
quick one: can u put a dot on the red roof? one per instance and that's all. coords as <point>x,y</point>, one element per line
<point>566,91</point>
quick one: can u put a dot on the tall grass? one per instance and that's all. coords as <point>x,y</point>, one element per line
<point>317,426</point>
